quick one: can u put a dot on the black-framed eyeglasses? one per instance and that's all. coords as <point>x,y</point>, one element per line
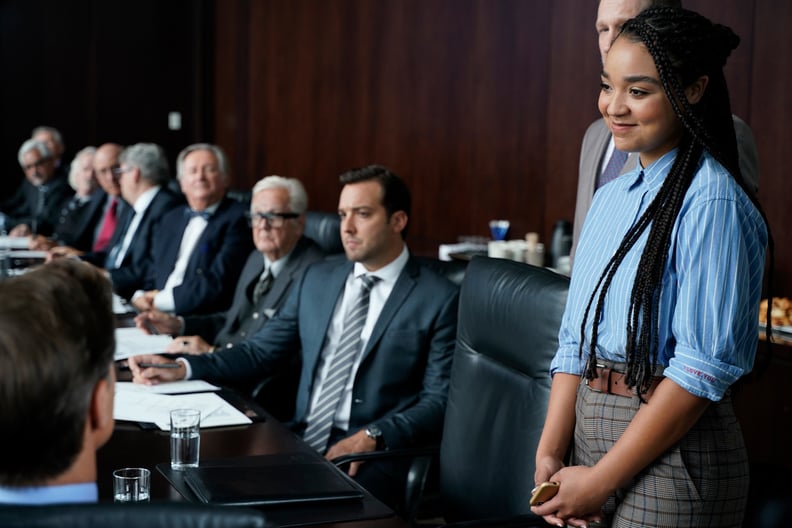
<point>274,220</point>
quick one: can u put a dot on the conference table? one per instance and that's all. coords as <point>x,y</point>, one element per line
<point>140,445</point>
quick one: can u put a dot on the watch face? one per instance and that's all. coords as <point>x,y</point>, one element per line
<point>373,431</point>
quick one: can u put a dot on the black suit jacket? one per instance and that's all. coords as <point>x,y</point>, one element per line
<point>244,319</point>
<point>402,382</point>
<point>131,275</point>
<point>215,263</point>
<point>78,220</point>
<point>23,207</point>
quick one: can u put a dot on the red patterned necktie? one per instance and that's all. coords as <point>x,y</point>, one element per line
<point>108,226</point>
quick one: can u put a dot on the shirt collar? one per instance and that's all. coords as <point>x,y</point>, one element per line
<point>654,175</point>
<point>67,493</point>
<point>276,267</point>
<point>388,273</point>
<point>145,199</point>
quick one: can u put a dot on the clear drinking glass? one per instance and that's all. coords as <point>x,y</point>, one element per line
<point>131,485</point>
<point>185,434</point>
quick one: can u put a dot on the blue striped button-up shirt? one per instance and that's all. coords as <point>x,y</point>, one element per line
<point>711,285</point>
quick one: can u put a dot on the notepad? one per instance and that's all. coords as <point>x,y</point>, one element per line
<point>247,484</point>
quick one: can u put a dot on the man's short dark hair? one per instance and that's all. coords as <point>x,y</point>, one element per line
<point>57,341</point>
<point>395,193</point>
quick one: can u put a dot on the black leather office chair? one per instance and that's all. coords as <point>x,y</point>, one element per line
<point>509,316</point>
<point>453,270</point>
<point>324,229</point>
<point>144,515</point>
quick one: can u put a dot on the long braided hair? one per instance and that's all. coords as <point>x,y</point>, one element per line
<point>684,46</point>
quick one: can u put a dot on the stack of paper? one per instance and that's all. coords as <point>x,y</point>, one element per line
<point>141,403</point>
<point>134,341</point>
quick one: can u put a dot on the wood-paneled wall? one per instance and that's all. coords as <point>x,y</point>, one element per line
<point>479,104</point>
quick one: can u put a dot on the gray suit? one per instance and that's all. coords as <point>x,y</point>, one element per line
<point>244,319</point>
<point>595,145</point>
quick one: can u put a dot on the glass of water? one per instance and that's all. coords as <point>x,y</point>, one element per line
<point>185,435</point>
<point>131,485</point>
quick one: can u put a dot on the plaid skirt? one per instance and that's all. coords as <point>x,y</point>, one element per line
<point>700,481</point>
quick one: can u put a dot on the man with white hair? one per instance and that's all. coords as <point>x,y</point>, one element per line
<point>198,251</point>
<point>277,218</point>
<point>36,206</point>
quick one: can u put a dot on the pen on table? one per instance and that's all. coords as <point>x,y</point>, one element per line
<point>159,365</point>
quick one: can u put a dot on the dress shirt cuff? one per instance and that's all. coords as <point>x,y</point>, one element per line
<point>137,295</point>
<point>183,326</point>
<point>187,368</point>
<point>703,377</point>
<point>164,301</point>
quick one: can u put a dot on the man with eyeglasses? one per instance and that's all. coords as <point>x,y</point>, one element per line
<point>36,206</point>
<point>277,217</point>
<point>105,161</point>
<point>142,174</point>
<point>198,251</point>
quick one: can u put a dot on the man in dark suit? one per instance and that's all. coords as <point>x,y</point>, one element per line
<point>36,206</point>
<point>58,380</point>
<point>395,350</point>
<point>77,222</point>
<point>282,254</point>
<point>106,206</point>
<point>142,177</point>
<point>198,251</point>
<point>597,148</point>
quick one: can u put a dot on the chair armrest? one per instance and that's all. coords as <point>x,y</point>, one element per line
<point>415,482</point>
<point>416,452</point>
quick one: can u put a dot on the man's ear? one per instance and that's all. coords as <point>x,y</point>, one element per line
<point>696,90</point>
<point>101,409</point>
<point>399,221</point>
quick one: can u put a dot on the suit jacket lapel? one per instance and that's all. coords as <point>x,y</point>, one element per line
<point>401,290</point>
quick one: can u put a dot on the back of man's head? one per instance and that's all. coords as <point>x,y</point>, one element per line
<point>56,343</point>
<point>150,159</point>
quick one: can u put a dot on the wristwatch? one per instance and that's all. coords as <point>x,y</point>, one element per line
<point>373,431</point>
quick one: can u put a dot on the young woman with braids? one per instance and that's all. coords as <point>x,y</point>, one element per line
<point>662,309</point>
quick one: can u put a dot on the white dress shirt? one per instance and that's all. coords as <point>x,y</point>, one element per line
<point>379,296</point>
<point>141,204</point>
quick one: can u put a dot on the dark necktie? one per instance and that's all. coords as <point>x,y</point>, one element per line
<point>108,226</point>
<point>41,207</point>
<point>262,286</point>
<point>613,168</point>
<point>320,421</point>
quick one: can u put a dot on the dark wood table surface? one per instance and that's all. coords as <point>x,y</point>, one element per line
<point>134,446</point>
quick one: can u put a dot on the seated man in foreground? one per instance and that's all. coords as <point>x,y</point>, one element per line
<point>57,382</point>
<point>376,333</point>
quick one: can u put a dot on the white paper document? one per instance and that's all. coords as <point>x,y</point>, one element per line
<point>27,254</point>
<point>120,306</point>
<point>137,406</point>
<point>134,341</point>
<point>173,387</point>
<point>9,242</point>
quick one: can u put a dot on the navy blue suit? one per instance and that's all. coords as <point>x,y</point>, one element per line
<point>402,382</point>
<point>215,263</point>
<point>136,264</point>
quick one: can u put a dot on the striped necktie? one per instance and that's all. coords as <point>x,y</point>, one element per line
<point>613,168</point>
<point>320,421</point>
